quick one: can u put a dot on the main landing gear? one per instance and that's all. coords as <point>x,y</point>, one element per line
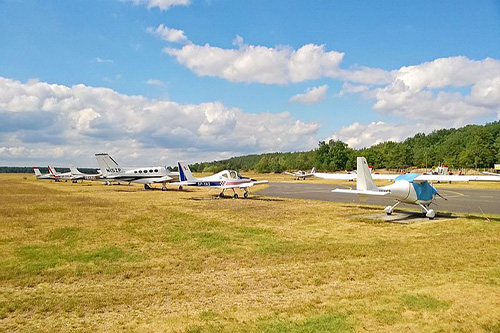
<point>147,187</point>
<point>235,195</point>
<point>430,213</point>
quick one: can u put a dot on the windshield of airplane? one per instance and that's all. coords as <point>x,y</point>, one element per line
<point>233,174</point>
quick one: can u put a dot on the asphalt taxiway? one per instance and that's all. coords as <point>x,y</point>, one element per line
<point>462,200</point>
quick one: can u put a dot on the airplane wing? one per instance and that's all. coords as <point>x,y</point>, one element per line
<point>456,178</point>
<point>161,179</point>
<point>363,192</point>
<point>289,173</point>
<point>379,176</point>
<point>243,185</point>
<point>339,176</point>
<point>352,176</point>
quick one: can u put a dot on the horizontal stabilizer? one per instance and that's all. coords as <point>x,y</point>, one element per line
<point>364,192</point>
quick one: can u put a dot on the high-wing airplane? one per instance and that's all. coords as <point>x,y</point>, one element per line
<point>39,175</point>
<point>144,175</point>
<point>412,188</point>
<point>226,179</point>
<point>301,174</point>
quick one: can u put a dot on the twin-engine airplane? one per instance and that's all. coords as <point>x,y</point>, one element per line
<point>412,188</point>
<point>111,171</point>
<point>301,174</point>
<point>226,179</point>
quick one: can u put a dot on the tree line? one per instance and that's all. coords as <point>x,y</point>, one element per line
<point>472,146</point>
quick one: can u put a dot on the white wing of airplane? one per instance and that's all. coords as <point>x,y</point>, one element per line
<point>456,178</point>
<point>352,176</point>
<point>365,192</point>
<point>242,185</point>
<point>339,176</point>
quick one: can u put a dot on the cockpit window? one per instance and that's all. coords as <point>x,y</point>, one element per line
<point>233,174</point>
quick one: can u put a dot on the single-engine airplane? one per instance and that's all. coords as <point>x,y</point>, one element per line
<point>412,188</point>
<point>111,171</point>
<point>77,175</point>
<point>301,174</point>
<point>226,179</point>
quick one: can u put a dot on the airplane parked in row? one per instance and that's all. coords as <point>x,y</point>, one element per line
<point>226,179</point>
<point>412,188</point>
<point>111,171</point>
<point>301,174</point>
<point>77,175</point>
<point>58,176</point>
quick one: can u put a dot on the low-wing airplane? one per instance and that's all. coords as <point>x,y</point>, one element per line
<point>226,179</point>
<point>58,176</point>
<point>412,188</point>
<point>77,175</point>
<point>301,174</point>
<point>39,175</point>
<point>143,175</point>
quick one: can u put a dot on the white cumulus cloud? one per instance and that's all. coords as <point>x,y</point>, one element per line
<point>168,34</point>
<point>82,120</point>
<point>311,96</point>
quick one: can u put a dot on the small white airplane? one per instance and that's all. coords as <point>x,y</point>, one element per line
<point>226,179</point>
<point>58,176</point>
<point>39,175</point>
<point>412,188</point>
<point>111,171</point>
<point>301,174</point>
<point>77,175</point>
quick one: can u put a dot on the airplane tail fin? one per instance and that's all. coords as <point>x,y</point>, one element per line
<point>37,172</point>
<point>107,164</point>
<point>184,172</point>
<point>74,170</point>
<point>313,170</point>
<point>364,179</point>
<point>52,170</point>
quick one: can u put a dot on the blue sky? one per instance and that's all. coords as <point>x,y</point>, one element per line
<point>214,79</point>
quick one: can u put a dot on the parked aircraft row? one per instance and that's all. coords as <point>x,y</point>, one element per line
<point>412,188</point>
<point>111,171</point>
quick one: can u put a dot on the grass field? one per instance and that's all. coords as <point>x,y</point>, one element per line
<point>89,257</point>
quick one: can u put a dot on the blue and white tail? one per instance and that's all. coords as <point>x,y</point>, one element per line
<point>313,170</point>
<point>185,174</point>
<point>364,179</point>
<point>108,165</point>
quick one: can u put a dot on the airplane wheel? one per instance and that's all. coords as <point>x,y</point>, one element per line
<point>245,195</point>
<point>180,187</point>
<point>221,195</point>
<point>235,196</point>
<point>147,187</point>
<point>389,213</point>
<point>163,188</point>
